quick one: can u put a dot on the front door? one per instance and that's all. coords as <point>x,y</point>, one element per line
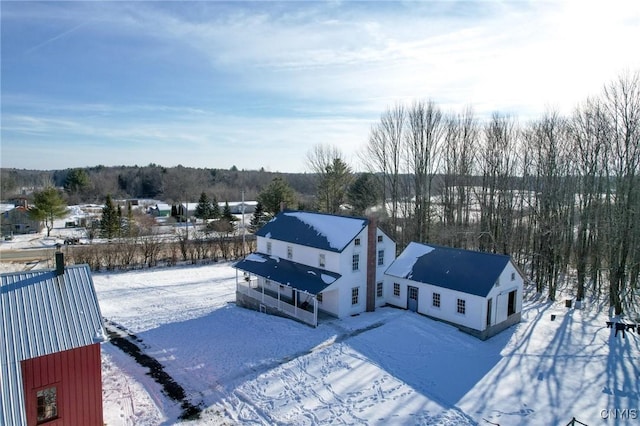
<point>489,306</point>
<point>412,298</point>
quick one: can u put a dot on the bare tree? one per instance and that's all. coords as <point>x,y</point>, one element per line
<point>498,163</point>
<point>589,145</point>
<point>622,108</point>
<point>426,128</point>
<point>382,157</point>
<point>552,221</point>
<point>458,156</point>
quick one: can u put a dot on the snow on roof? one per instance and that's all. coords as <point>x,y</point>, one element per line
<point>318,230</point>
<point>6,207</point>
<point>403,265</point>
<point>302,277</point>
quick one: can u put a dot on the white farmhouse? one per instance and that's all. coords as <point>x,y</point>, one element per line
<point>480,293</point>
<point>309,262</point>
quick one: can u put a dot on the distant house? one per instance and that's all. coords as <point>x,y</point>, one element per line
<point>16,220</point>
<point>237,207</point>
<point>309,262</point>
<point>184,211</point>
<point>50,334</point>
<point>480,293</point>
<point>160,210</point>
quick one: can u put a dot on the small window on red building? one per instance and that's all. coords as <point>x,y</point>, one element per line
<point>47,404</point>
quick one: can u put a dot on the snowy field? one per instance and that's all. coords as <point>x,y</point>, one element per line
<point>390,367</point>
<point>387,367</point>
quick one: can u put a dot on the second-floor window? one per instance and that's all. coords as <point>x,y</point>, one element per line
<point>355,262</point>
<point>380,257</point>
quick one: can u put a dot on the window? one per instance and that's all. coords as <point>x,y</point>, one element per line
<point>321,260</point>
<point>462,306</point>
<point>396,289</point>
<point>379,290</point>
<point>380,257</point>
<point>289,252</point>
<point>436,300</point>
<point>379,238</point>
<point>47,402</point>
<point>268,247</point>
<point>356,242</point>
<point>513,276</point>
<point>319,297</point>
<point>354,295</point>
<point>355,262</point>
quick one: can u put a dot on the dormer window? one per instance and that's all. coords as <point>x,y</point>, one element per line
<point>356,242</point>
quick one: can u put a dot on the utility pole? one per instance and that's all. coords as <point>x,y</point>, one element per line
<point>243,227</point>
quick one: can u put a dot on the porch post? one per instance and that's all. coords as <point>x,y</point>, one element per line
<point>315,311</point>
<point>262,293</point>
<point>279,297</point>
<point>295,302</point>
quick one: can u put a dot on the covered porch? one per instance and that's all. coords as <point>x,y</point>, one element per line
<point>281,287</point>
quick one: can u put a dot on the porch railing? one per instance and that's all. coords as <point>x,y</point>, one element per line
<point>284,306</point>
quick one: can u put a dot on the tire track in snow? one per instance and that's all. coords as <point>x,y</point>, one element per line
<point>130,344</point>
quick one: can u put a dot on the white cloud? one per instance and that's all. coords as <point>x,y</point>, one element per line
<point>322,72</point>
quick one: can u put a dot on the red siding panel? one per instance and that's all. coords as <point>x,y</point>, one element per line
<point>78,379</point>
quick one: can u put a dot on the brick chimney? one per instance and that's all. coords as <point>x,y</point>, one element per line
<point>372,241</point>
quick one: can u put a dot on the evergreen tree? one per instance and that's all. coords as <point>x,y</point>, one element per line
<point>76,180</point>
<point>258,219</point>
<point>110,223</point>
<point>364,193</point>
<point>226,213</point>
<point>204,210</point>
<point>215,208</point>
<point>277,192</point>
<point>48,206</point>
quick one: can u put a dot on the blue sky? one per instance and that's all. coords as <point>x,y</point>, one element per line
<point>258,84</point>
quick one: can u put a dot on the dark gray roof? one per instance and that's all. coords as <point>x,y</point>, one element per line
<point>317,230</point>
<point>296,275</point>
<point>467,271</point>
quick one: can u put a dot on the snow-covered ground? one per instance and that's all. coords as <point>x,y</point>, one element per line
<point>386,367</point>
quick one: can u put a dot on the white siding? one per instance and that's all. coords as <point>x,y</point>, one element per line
<point>475,316</point>
<point>337,297</point>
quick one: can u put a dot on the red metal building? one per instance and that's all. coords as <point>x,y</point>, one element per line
<point>50,334</point>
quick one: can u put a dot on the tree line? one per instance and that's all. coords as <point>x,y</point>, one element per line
<point>559,194</point>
